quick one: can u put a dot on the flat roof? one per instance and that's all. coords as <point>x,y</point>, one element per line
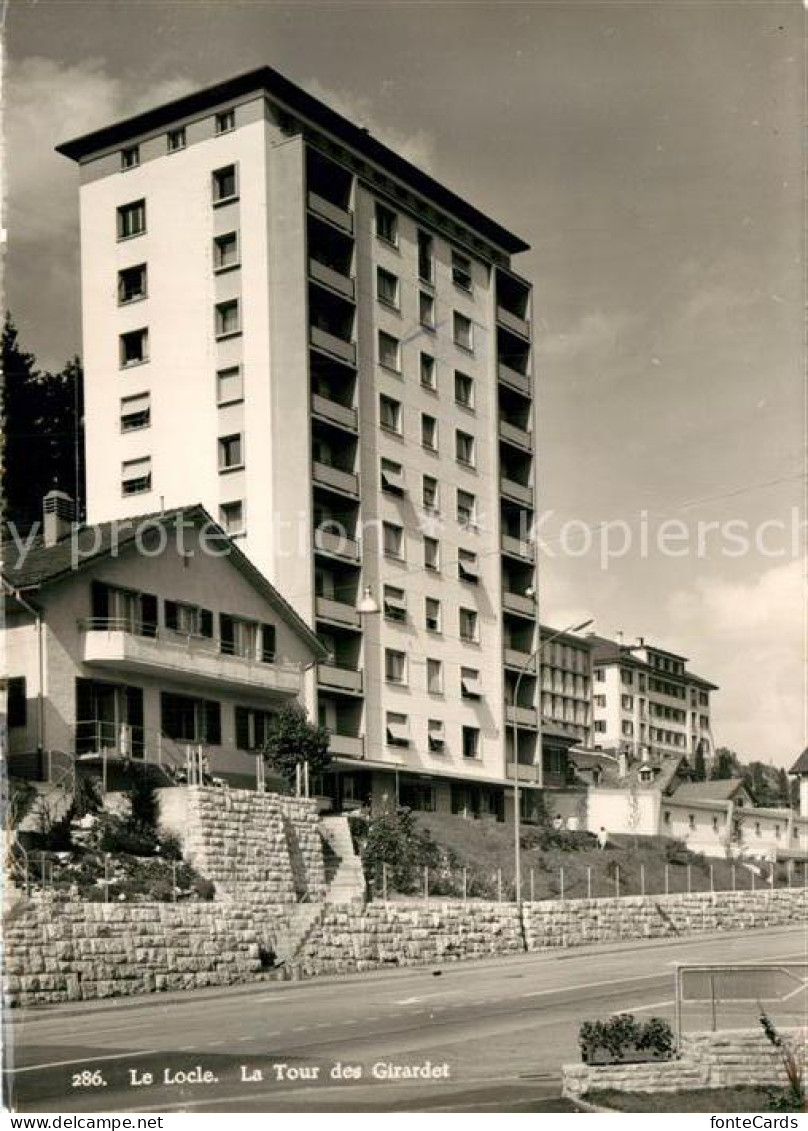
<point>294,98</point>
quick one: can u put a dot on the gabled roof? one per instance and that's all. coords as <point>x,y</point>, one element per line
<point>722,789</point>
<point>37,566</point>
<point>801,765</point>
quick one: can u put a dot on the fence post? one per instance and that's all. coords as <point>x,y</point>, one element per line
<point>790,873</point>
<point>733,876</point>
<point>689,879</point>
<point>667,880</point>
<point>712,883</point>
<point>532,886</point>
<point>617,880</point>
<point>588,883</point>
<point>642,880</point>
<point>499,885</point>
<point>561,882</point>
<point>384,882</point>
<point>465,886</point>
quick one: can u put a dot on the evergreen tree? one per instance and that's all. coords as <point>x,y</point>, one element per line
<point>783,787</point>
<point>699,765</point>
<point>725,764</point>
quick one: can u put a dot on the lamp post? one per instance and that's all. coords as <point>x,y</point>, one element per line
<point>517,822</point>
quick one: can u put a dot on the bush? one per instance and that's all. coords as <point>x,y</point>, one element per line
<point>127,836</point>
<point>143,797</point>
<point>622,1034</point>
<point>170,846</point>
<point>394,840</point>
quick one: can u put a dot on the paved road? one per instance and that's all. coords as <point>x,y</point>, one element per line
<point>463,1037</point>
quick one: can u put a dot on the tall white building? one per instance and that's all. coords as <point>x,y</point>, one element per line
<point>286,320</point>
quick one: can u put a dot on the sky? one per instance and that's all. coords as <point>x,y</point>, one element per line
<point>650,154</point>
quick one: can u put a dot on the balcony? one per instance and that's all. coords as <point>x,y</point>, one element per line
<point>334,280</point>
<point>513,322</point>
<point>513,434</point>
<point>515,659</point>
<point>331,344</point>
<point>520,382</point>
<point>519,604</point>
<point>340,217</point>
<point>518,548</point>
<point>185,659</point>
<point>346,746</point>
<point>522,716</point>
<point>526,773</point>
<point>337,546</point>
<point>334,413</point>
<point>336,612</point>
<point>332,677</point>
<point>345,482</point>
<point>517,492</point>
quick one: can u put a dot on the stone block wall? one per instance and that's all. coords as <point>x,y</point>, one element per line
<point>76,951</point>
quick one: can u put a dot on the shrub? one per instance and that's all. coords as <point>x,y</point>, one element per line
<point>622,1033</point>
<point>127,836</point>
<point>143,797</point>
<point>170,846</point>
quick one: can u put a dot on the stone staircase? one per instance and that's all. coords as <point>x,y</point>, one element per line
<point>345,879</point>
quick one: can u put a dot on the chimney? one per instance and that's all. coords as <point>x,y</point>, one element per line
<point>619,637</point>
<point>640,641</point>
<point>58,514</point>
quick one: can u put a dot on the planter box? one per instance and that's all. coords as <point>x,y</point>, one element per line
<point>630,1055</point>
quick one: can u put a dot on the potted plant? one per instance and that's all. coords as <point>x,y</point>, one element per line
<point>623,1040</point>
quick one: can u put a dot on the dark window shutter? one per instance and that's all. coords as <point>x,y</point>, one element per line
<point>213,723</point>
<point>17,702</point>
<point>148,608</point>
<point>226,634</point>
<point>206,623</point>
<point>170,610</point>
<point>134,717</point>
<point>99,600</point>
<point>268,643</point>
<point>242,728</point>
<point>85,716</point>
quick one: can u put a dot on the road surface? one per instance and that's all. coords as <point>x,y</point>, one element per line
<point>474,1036</point>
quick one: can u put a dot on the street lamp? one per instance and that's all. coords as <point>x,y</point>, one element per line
<point>517,823</point>
<point>367,605</point>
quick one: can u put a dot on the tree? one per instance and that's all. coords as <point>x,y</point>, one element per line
<point>292,740</point>
<point>725,764</point>
<point>699,765</point>
<point>783,787</point>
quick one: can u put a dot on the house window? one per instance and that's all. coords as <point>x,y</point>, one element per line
<point>464,448</point>
<point>137,476</point>
<point>715,824</point>
<point>175,139</point>
<point>600,677</point>
<point>471,742</point>
<point>190,720</point>
<point>386,224</point>
<point>395,666</point>
<point>392,476</point>
<point>429,432</point>
<point>17,702</point>
<point>466,510</point>
<point>395,603</point>
<point>428,372</point>
<point>225,251</point>
<point>130,157</point>
<point>188,620</point>
<point>468,624</point>
<point>467,567</point>
<point>600,700</point>
<point>470,687</point>
<point>231,454</point>
<point>627,728</point>
<point>134,347</point>
<point>425,257</point>
<point>431,554</point>
<point>430,493</point>
<point>627,702</point>
<point>627,678</point>
<point>228,318</point>
<point>231,517</point>
<point>393,540</point>
<point>434,677</point>
<point>229,385</point>
<point>432,614</point>
<point>666,816</point>
<point>600,726</point>
<point>131,219</point>
<point>389,352</point>
<point>691,821</point>
<point>397,729</point>
<point>132,284</point>
<point>389,414</point>
<point>135,412</point>
<point>252,728</point>
<point>464,389</point>
<point>435,733</point>
<point>225,121</point>
<point>387,287</point>
<point>224,184</point>
<point>246,638</point>
<point>426,309</point>
<point>461,271</point>
<point>463,335</point>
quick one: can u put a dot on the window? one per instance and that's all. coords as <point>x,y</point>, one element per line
<point>231,454</point>
<point>463,332</point>
<point>389,414</point>
<point>135,412</point>
<point>389,351</point>
<point>395,666</point>
<point>387,287</point>
<point>600,677</point>
<point>392,475</point>
<point>134,347</point>
<point>393,540</point>
<point>231,517</point>
<point>431,497</point>
<point>428,372</point>
<point>426,309</point>
<point>627,702</point>
<point>627,678</point>
<point>386,224</point>
<point>132,284</point>
<point>225,251</point>
<point>228,318</point>
<point>434,731</point>
<point>190,720</point>
<point>470,687</point>
<point>426,267</point>
<point>246,638</point>
<point>397,729</point>
<point>229,385</point>
<point>17,707</point>
<point>464,448</point>
<point>600,726</point>
<point>467,566</point>
<point>175,139</point>
<point>431,554</point>
<point>468,624</point>
<point>471,742</point>
<point>429,432</point>
<point>131,219</point>
<point>691,821</point>
<point>136,478</point>
<point>190,620</point>
<point>599,700</point>
<point>434,677</point>
<point>461,271</point>
<point>464,390</point>
<point>627,728</point>
<point>130,157</point>
<point>252,728</point>
<point>225,184</point>
<point>395,603</point>
<point>466,510</point>
<point>225,121</point>
<point>432,614</point>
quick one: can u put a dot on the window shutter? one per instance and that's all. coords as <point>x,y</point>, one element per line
<point>17,702</point>
<point>170,610</point>
<point>268,643</point>
<point>99,598</point>
<point>242,728</point>
<point>206,623</point>
<point>85,714</point>
<point>148,608</point>
<point>226,634</point>
<point>134,716</point>
<point>213,723</point>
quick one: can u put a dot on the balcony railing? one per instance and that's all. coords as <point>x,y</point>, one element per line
<point>329,277</point>
<point>516,659</point>
<point>340,217</point>
<point>337,611</point>
<point>346,746</point>
<point>337,678</point>
<point>343,481</point>
<point>518,548</point>
<point>513,322</point>
<point>183,760</point>
<point>331,344</point>
<point>518,381</point>
<point>336,545</point>
<point>522,716</point>
<point>517,603</point>
<point>515,435</point>
<point>335,413</point>
<point>526,773</point>
<point>518,492</point>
